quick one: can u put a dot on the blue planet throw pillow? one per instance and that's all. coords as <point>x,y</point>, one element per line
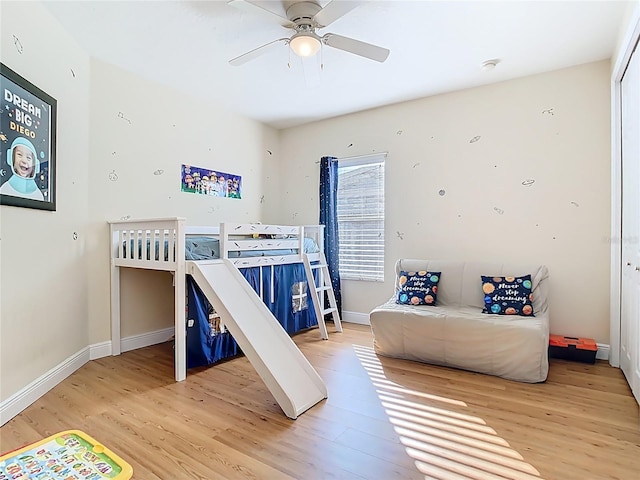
<point>508,295</point>
<point>418,288</point>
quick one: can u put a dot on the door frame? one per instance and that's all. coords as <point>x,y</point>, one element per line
<point>619,64</point>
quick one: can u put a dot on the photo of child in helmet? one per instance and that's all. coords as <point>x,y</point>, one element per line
<point>22,161</point>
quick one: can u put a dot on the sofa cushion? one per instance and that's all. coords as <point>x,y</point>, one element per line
<point>418,288</point>
<point>449,283</point>
<point>507,295</point>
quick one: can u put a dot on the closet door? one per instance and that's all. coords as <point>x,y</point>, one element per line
<point>630,281</point>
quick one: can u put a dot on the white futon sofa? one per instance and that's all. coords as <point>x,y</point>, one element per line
<point>455,332</point>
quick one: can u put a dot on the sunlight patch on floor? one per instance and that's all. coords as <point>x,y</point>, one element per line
<point>419,416</point>
<point>420,409</point>
<point>444,443</point>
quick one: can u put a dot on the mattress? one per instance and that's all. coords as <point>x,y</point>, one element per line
<point>507,346</point>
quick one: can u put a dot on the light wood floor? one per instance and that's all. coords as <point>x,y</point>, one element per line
<point>384,419</point>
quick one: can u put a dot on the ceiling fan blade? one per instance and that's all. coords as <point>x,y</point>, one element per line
<point>357,47</point>
<point>250,7</point>
<point>333,11</point>
<point>255,53</point>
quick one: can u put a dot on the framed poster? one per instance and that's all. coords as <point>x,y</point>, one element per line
<point>27,143</point>
<point>205,181</point>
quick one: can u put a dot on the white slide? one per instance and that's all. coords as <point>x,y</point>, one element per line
<point>287,373</point>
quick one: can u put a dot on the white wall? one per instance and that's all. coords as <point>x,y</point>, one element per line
<point>121,142</point>
<point>43,279</point>
<point>479,146</point>
<point>54,289</point>
<point>141,134</point>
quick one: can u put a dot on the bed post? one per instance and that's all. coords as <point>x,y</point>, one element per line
<point>115,295</point>
<point>301,235</point>
<point>320,237</point>
<point>224,247</point>
<point>179,302</point>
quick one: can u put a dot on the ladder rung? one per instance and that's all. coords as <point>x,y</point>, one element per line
<point>329,310</point>
<point>319,265</point>
<point>323,289</point>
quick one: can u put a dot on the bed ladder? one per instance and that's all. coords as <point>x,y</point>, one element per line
<point>317,293</point>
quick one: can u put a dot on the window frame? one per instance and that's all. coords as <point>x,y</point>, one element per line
<point>376,275</point>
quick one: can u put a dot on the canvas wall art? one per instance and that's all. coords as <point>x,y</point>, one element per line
<point>205,181</point>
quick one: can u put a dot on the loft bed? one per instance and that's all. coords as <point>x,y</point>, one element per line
<point>167,244</point>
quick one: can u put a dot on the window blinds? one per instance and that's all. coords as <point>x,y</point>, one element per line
<point>361,218</point>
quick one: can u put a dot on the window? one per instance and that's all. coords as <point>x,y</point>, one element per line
<point>299,296</point>
<point>361,217</point>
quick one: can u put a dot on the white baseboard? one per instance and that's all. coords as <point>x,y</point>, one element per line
<point>146,339</point>
<point>356,317</point>
<point>603,351</point>
<point>99,350</point>
<point>103,349</point>
<point>17,402</point>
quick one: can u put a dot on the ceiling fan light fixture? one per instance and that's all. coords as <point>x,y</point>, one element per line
<point>304,17</point>
<point>304,44</point>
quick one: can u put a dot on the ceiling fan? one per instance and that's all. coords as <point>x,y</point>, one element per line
<point>304,18</point>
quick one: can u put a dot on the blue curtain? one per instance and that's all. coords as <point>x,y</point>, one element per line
<point>204,347</point>
<point>329,218</point>
<point>284,277</point>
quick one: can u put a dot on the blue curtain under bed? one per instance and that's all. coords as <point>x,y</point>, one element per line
<point>292,306</point>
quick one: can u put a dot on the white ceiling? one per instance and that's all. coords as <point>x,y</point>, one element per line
<point>436,47</point>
